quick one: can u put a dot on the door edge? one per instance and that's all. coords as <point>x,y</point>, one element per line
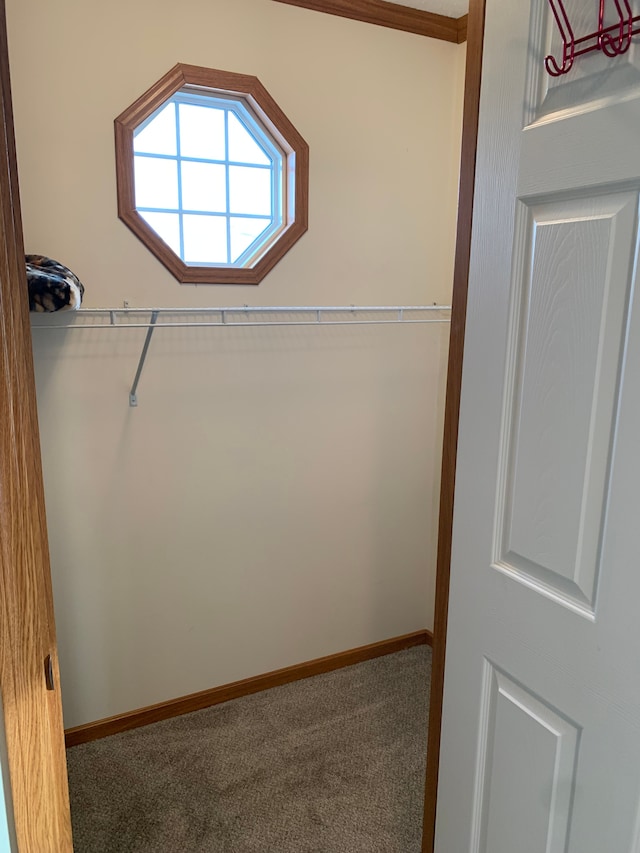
<point>452,406</point>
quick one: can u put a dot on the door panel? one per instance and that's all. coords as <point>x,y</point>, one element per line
<point>592,80</point>
<point>522,806</point>
<point>566,333</point>
<point>541,716</point>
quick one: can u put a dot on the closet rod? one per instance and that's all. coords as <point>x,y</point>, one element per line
<point>226,316</point>
<point>324,315</point>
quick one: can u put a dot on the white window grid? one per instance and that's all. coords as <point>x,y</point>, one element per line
<point>271,150</point>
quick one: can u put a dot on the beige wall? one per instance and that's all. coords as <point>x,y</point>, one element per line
<point>274,496</point>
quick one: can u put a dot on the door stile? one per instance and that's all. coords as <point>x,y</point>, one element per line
<point>471,108</point>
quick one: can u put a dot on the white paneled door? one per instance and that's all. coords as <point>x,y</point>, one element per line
<point>541,718</point>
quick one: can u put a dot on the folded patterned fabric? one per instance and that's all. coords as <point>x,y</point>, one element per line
<point>52,286</point>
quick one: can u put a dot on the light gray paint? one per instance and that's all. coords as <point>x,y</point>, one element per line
<point>7,830</point>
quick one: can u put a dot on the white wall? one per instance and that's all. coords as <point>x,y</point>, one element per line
<point>274,496</point>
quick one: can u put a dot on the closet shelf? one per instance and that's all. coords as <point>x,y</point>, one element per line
<point>182,318</point>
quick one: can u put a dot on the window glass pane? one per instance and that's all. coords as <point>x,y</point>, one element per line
<point>205,239</point>
<point>202,132</point>
<point>204,187</point>
<point>159,136</point>
<point>250,190</point>
<point>166,226</point>
<point>242,146</point>
<point>244,232</point>
<point>156,182</point>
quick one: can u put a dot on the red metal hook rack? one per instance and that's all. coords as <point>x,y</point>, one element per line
<point>612,40</point>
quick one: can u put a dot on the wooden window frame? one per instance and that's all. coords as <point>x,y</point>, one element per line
<point>241,87</point>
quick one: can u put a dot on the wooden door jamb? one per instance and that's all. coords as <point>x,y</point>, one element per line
<point>32,714</point>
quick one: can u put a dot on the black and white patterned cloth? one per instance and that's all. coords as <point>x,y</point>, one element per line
<point>52,286</point>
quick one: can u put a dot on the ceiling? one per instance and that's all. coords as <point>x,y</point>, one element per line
<point>452,8</point>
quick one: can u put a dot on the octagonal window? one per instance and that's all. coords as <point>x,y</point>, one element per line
<point>212,176</point>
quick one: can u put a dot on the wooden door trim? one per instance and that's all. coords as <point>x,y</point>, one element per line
<point>452,406</point>
<point>32,714</point>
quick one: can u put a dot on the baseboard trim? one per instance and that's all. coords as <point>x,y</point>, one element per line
<point>217,695</point>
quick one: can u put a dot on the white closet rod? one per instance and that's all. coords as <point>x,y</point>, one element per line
<point>226,316</point>
<point>324,315</point>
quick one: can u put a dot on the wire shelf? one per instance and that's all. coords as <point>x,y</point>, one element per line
<point>243,317</point>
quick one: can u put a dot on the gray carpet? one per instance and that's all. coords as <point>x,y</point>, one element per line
<point>331,764</point>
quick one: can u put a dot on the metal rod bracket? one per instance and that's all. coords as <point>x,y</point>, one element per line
<point>133,397</point>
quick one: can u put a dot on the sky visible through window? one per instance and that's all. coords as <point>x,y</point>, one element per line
<point>206,180</point>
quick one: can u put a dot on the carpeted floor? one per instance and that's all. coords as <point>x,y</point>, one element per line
<point>331,764</point>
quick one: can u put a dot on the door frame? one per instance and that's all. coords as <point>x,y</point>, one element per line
<point>473,73</point>
<point>37,786</point>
